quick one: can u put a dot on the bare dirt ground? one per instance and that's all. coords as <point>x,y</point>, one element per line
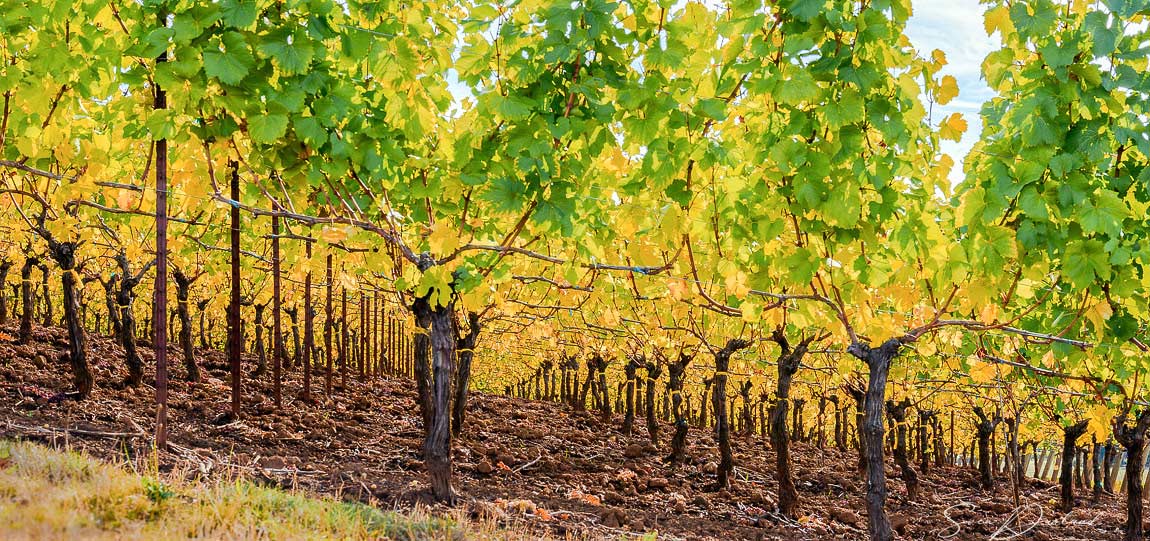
<point>561,472</point>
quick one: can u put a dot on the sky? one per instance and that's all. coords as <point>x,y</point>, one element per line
<point>955,27</point>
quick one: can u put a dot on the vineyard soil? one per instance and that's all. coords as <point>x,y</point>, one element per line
<point>528,463</point>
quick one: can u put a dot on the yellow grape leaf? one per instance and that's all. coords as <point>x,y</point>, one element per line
<point>772,318</point>
<point>736,283</point>
<point>1139,64</point>
<point>947,89</point>
<point>333,235</point>
<point>628,222</point>
<point>124,199</point>
<point>1098,421</point>
<point>951,337</point>
<point>952,363</point>
<point>940,174</point>
<point>678,289</point>
<point>982,372</point>
<point>443,239</point>
<point>751,312</point>
<point>1098,315</point>
<point>347,282</point>
<point>29,144</point>
<point>177,243</point>
<point>846,364</point>
<point>670,228</point>
<point>297,274</point>
<point>938,58</point>
<point>476,299</point>
<point>953,127</point>
<point>616,162</point>
<point>1047,360</point>
<point>989,313</point>
<point>998,20</point>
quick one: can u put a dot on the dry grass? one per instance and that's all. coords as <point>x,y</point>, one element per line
<point>48,494</point>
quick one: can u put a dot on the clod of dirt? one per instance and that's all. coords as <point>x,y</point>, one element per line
<point>850,518</point>
<point>633,451</point>
<point>656,483</point>
<point>996,507</point>
<point>273,462</point>
<point>625,476</point>
<point>505,458</point>
<point>223,419</point>
<point>613,517</point>
<point>484,467</point>
<point>899,523</point>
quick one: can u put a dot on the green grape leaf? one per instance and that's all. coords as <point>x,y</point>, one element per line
<point>267,128</point>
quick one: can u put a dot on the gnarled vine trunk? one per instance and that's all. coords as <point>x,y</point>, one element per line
<point>859,397</point>
<point>629,371</point>
<point>1014,457</point>
<point>788,364</point>
<point>110,304</point>
<point>924,425</point>
<point>27,305</point>
<point>183,294</point>
<point>654,370</point>
<point>1070,435</point>
<point>307,358</point>
<point>297,353</point>
<point>581,400</point>
<point>604,397</point>
<point>5,266</point>
<point>897,412</point>
<point>983,430</point>
<point>676,372</point>
<point>437,446</point>
<point>1133,439</point>
<point>840,428</point>
<point>46,295</point>
<point>466,351</point>
<point>442,344</point>
<point>719,402</point>
<point>878,361</point>
<point>261,351</point>
<point>1096,467</point>
<point>422,371</point>
<point>64,253</point>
